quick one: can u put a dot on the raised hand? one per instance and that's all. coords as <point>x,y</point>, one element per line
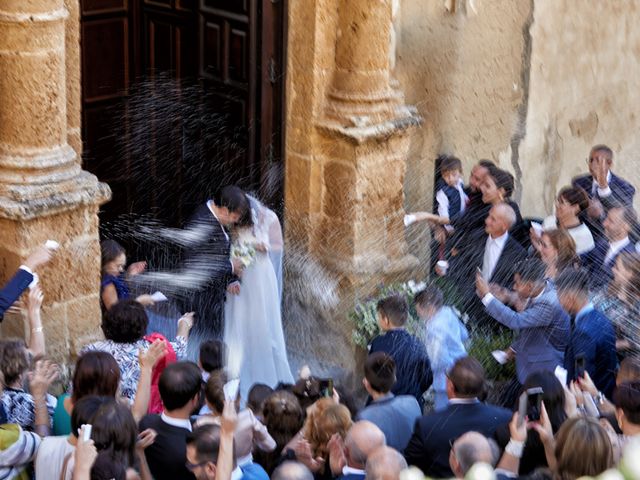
<point>136,268</point>
<point>234,288</point>
<point>229,418</point>
<point>337,458</point>
<point>85,455</point>
<point>146,438</point>
<point>38,257</point>
<point>43,375</point>
<point>35,298</point>
<point>155,352</point>
<point>146,300</point>
<point>482,287</point>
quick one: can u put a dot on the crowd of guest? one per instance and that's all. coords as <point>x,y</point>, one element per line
<point>567,286</point>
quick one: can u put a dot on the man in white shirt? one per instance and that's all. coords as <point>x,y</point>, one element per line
<point>494,253</point>
<point>617,226</point>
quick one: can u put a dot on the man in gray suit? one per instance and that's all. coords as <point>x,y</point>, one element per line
<point>542,325</point>
<point>395,416</point>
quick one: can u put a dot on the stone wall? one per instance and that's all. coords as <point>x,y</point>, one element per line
<point>530,84</point>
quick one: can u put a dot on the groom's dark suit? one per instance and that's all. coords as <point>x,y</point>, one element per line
<point>208,255</point>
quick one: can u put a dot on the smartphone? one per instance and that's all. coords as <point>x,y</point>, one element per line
<point>580,365</point>
<point>534,404</point>
<point>230,390</point>
<point>522,408</point>
<point>87,432</point>
<point>326,387</point>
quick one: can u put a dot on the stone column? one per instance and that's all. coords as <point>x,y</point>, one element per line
<point>365,134</point>
<point>74,85</point>
<point>361,91</point>
<point>44,193</point>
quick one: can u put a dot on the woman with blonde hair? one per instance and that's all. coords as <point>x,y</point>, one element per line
<point>557,250</point>
<point>583,448</point>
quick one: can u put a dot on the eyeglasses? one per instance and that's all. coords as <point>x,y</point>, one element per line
<point>192,466</point>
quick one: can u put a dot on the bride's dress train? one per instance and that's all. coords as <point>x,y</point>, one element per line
<point>253,324</point>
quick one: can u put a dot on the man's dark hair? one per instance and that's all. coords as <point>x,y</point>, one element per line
<point>179,383</point>
<point>84,410</point>
<point>395,308</point>
<point>573,280</point>
<point>627,398</point>
<point>380,371</point>
<point>125,322</point>
<point>449,164</point>
<point>603,148</point>
<point>206,440</point>
<point>431,295</point>
<point>467,377</point>
<point>531,270</point>
<point>212,353</point>
<point>258,393</point>
<point>486,163</point>
<point>575,196</point>
<point>232,198</point>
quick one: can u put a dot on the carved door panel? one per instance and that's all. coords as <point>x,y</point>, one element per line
<point>181,97</point>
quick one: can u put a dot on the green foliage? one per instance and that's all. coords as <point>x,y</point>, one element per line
<point>364,319</point>
<point>482,343</point>
<point>364,316</point>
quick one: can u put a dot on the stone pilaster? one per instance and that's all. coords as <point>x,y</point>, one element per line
<point>347,141</point>
<point>44,193</point>
<point>365,122</point>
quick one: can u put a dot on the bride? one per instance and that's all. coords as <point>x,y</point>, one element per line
<point>253,324</point>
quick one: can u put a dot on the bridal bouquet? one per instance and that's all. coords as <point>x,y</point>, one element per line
<point>244,252</point>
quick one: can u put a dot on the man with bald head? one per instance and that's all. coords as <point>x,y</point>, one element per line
<point>290,470</point>
<point>493,253</point>
<point>469,449</point>
<point>362,439</point>
<point>385,463</point>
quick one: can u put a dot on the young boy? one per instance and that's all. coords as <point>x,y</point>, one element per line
<point>413,370</point>
<point>451,199</point>
<point>444,337</point>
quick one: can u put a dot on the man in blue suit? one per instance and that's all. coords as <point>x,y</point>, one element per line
<point>22,278</point>
<point>592,334</point>
<point>434,433</point>
<point>542,327</point>
<point>604,188</point>
<point>413,369</point>
<point>618,224</point>
<point>395,416</point>
<point>601,184</point>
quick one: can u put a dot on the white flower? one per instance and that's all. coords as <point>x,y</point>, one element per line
<point>480,471</point>
<point>611,475</point>
<point>630,463</point>
<point>412,473</point>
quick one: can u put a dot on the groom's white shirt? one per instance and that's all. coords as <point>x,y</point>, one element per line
<point>210,207</point>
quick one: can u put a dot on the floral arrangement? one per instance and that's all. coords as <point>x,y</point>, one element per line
<point>365,316</point>
<point>244,252</point>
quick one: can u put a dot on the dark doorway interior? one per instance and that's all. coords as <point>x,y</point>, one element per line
<point>181,97</point>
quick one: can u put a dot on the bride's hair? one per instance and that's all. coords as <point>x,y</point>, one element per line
<point>246,220</point>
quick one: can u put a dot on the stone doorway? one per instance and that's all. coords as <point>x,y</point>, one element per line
<point>180,97</point>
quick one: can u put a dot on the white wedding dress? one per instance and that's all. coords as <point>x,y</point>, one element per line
<point>253,324</point>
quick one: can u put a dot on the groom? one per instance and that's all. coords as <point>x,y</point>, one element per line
<point>209,256</point>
